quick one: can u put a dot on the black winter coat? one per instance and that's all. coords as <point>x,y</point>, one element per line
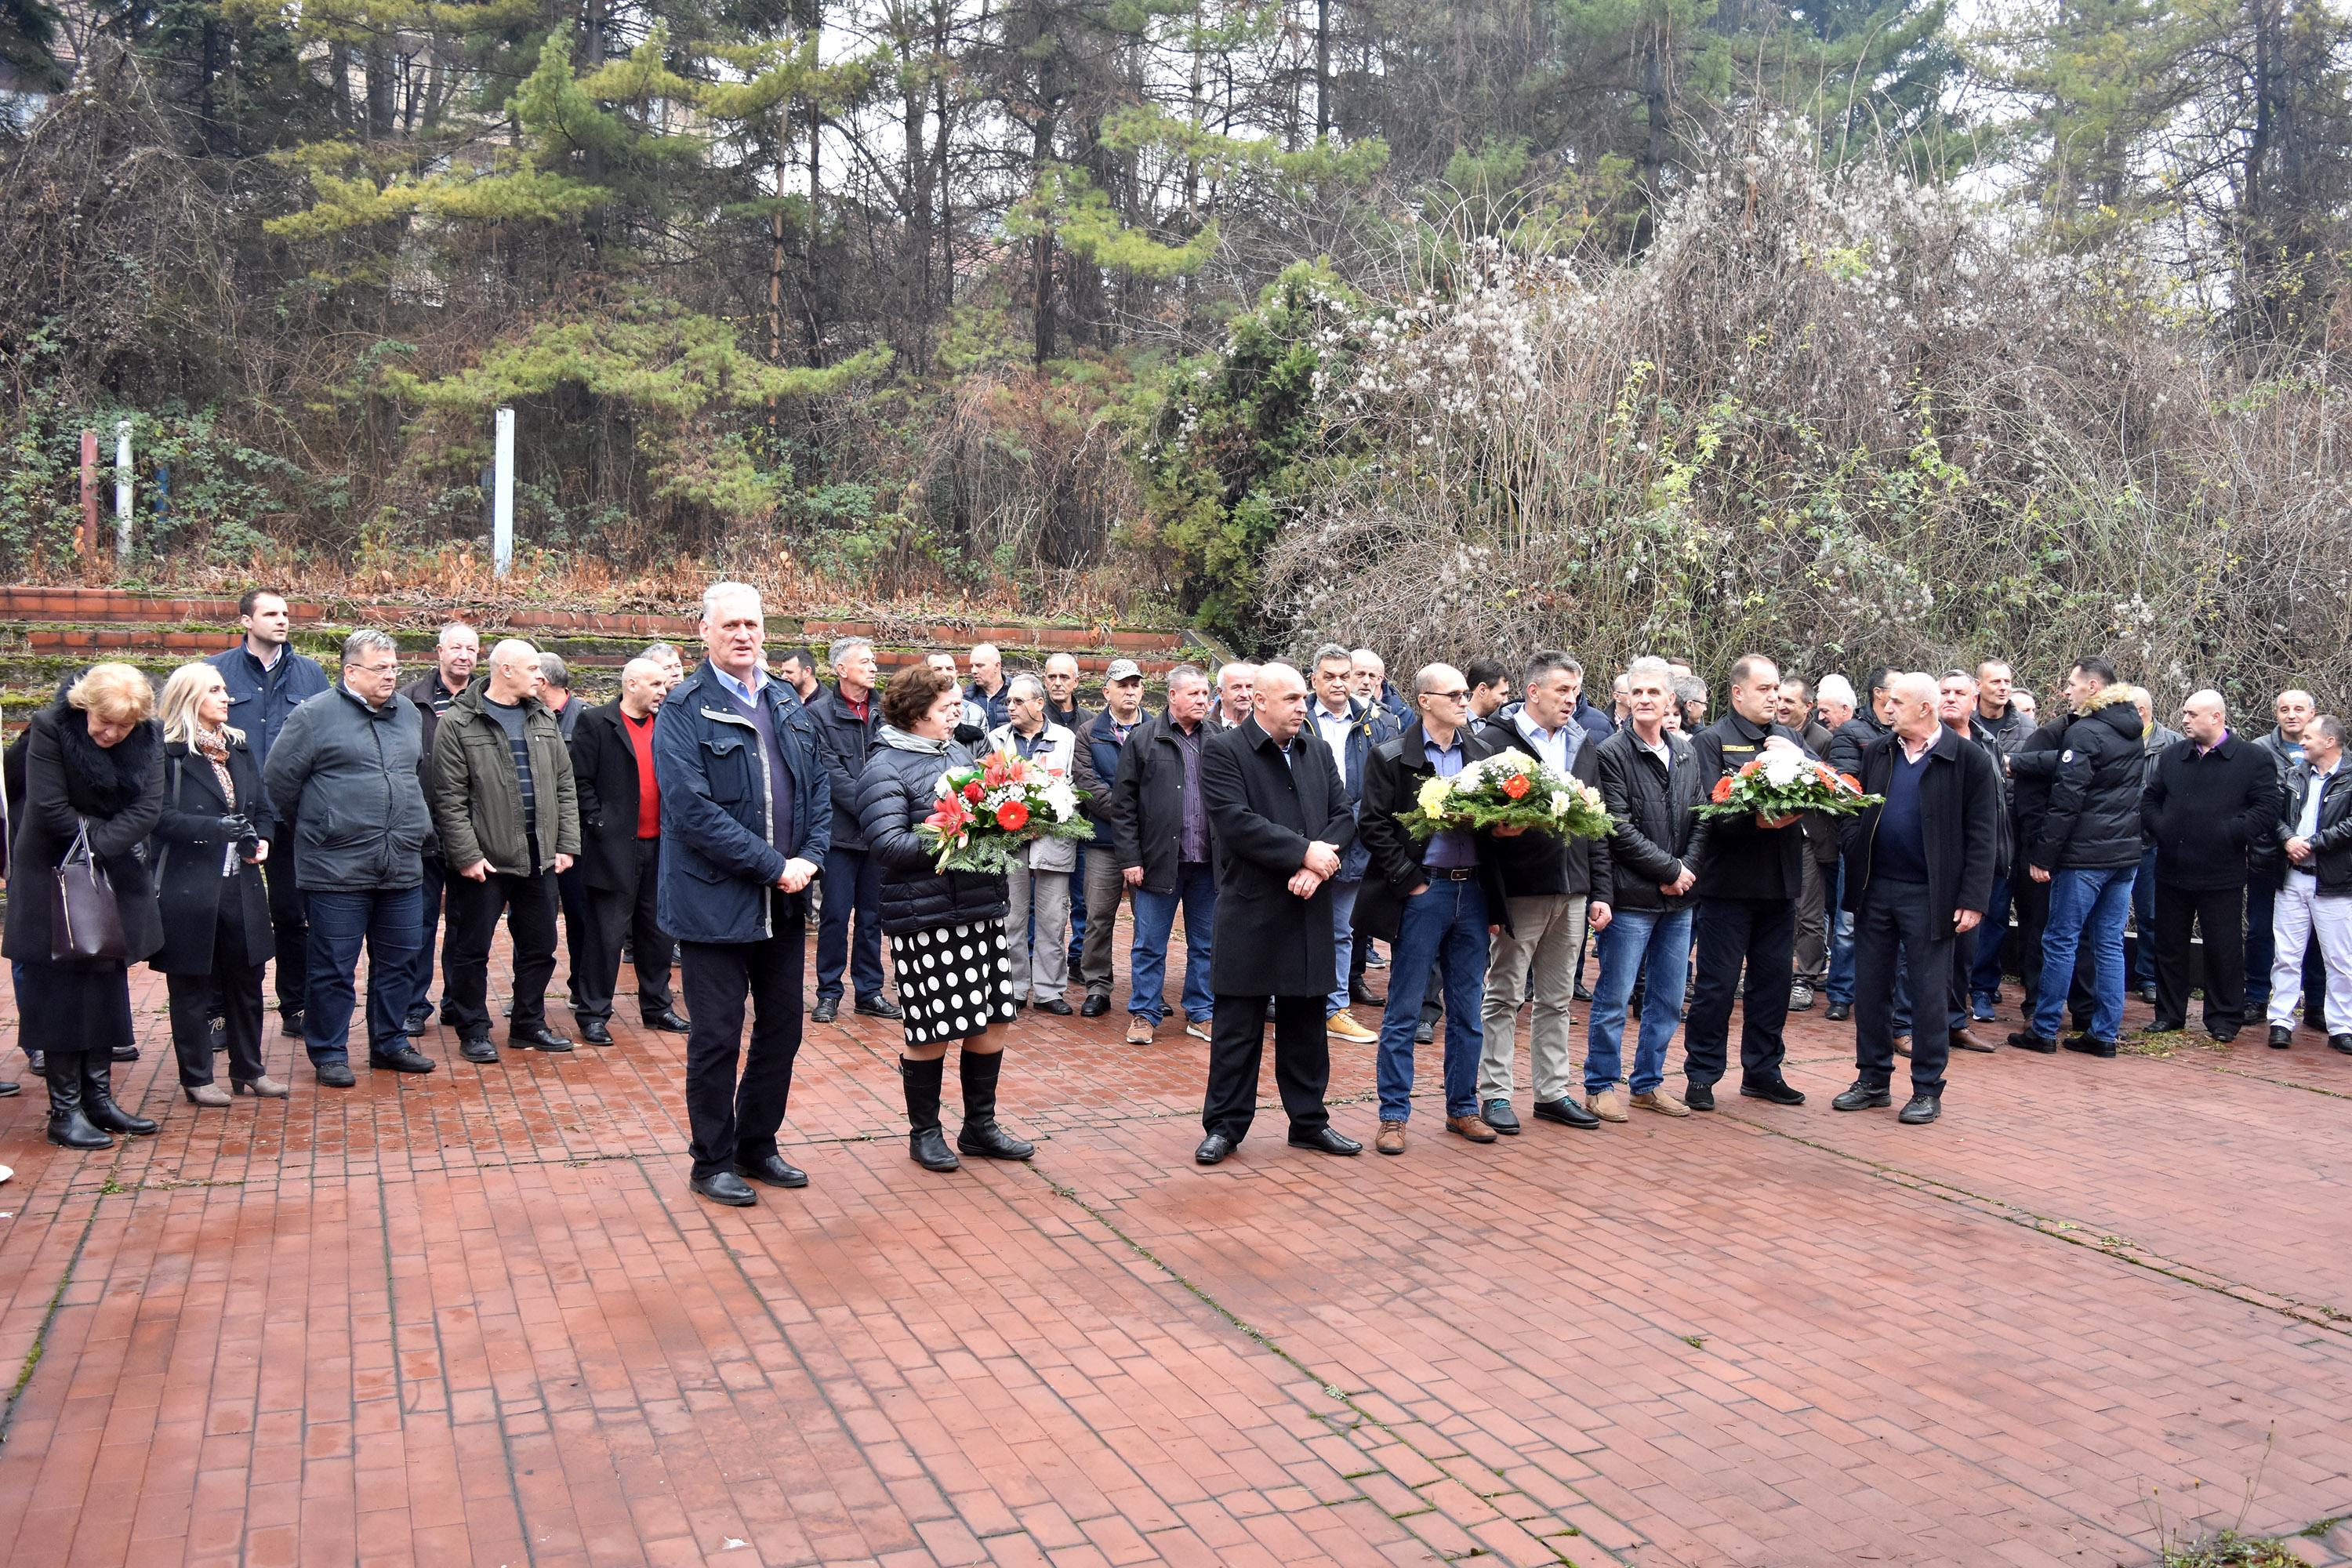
<point>2205,812</point>
<point>604,781</point>
<point>1147,802</point>
<point>118,790</point>
<point>2094,820</point>
<point>895,792</point>
<point>1265,812</point>
<point>2032,767</point>
<point>1538,866</point>
<point>1656,812</point>
<point>1733,857</point>
<point>1959,811</point>
<point>2331,842</point>
<point>187,852</point>
<point>1848,741</point>
<point>844,741</point>
<point>1393,774</point>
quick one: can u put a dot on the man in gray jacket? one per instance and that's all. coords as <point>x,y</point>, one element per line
<point>508,816</point>
<point>344,772</point>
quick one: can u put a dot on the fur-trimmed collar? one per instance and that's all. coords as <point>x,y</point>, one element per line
<point>103,781</point>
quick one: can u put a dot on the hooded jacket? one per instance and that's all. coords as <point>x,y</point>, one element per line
<point>2094,820</point>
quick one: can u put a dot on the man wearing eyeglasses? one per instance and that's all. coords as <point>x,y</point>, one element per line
<point>1432,901</point>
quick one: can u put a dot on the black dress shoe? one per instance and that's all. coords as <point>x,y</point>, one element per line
<point>478,1050</point>
<point>2089,1046</point>
<point>990,1141</point>
<point>1862,1097</point>
<point>2166,1026</point>
<point>669,1021</point>
<point>291,1024</point>
<point>882,1007</point>
<point>2027,1040</point>
<point>1838,1012</point>
<point>1581,993</point>
<point>1499,1115</point>
<point>335,1075</point>
<point>1056,1005</point>
<point>928,1148</point>
<point>540,1037</point>
<point>1214,1148</point>
<point>1699,1096</point>
<point>1777,1091</point>
<point>125,1053</point>
<point>1324,1141</point>
<point>2283,1038</point>
<point>1359,994</point>
<point>416,1024</point>
<point>2340,1042</point>
<point>726,1187</point>
<point>772,1171</point>
<point>1567,1112</point>
<point>1920,1109</point>
<point>595,1032</point>
<point>2223,1037</point>
<point>9,1090</point>
<point>826,1010</point>
<point>402,1059</point>
<point>2147,995</point>
<point>1095,1006</point>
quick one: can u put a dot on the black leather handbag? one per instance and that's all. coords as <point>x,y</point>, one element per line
<point>85,922</point>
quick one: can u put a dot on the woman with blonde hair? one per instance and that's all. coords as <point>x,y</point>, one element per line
<point>207,855</point>
<point>93,775</point>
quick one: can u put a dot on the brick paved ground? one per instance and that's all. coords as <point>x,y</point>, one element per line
<point>477,1318</point>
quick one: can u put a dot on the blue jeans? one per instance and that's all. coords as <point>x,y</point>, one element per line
<point>2086,910</point>
<point>853,885</point>
<point>1343,941</point>
<point>1445,926</point>
<point>1077,914</point>
<point>1991,935</point>
<point>1840,985</point>
<point>391,925</point>
<point>1155,916</point>
<point>1655,945</point>
<point>2143,903</point>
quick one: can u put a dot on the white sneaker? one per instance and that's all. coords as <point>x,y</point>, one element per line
<point>1197,1028</point>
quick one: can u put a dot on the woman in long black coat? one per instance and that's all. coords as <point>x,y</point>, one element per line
<point>946,928</point>
<point>94,760</point>
<point>207,857</point>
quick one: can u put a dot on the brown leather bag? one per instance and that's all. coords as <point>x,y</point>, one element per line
<point>85,922</point>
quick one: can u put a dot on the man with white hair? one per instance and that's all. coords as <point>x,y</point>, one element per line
<point>507,812</point>
<point>620,857</point>
<point>848,719</point>
<point>454,654</point>
<point>1368,681</point>
<point>2212,798</point>
<point>2292,709</point>
<point>988,684</point>
<point>746,818</point>
<point>2314,831</point>
<point>1922,863</point>
<point>1835,701</point>
<point>672,662</point>
<point>1236,680</point>
<point>1037,892</point>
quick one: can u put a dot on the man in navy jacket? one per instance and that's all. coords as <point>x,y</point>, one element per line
<point>746,818</point>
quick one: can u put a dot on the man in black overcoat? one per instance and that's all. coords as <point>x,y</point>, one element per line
<point>1280,817</point>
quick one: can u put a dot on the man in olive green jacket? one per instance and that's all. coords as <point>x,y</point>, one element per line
<point>508,818</point>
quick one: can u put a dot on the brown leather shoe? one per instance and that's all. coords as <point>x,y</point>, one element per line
<point>1902,1045</point>
<point>1966,1039</point>
<point>1391,1138</point>
<point>1470,1126</point>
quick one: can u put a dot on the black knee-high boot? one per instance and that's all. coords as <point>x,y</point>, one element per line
<point>69,1128</point>
<point>980,1134</point>
<point>97,1098</point>
<point>926,1144</point>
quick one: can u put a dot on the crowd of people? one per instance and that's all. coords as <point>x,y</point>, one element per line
<point>258,811</point>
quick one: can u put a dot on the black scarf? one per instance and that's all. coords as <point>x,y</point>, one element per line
<point>103,781</point>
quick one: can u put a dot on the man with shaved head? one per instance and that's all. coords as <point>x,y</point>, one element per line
<point>507,811</point>
<point>1919,870</point>
<point>620,857</point>
<point>2211,799</point>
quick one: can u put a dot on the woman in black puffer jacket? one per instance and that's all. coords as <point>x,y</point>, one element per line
<point>946,928</point>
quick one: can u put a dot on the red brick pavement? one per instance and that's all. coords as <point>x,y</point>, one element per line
<point>477,1318</point>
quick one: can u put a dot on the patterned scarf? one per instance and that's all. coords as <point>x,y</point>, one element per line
<point>213,746</point>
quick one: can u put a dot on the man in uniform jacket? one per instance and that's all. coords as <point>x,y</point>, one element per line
<point>507,811</point>
<point>1281,821</point>
<point>1920,867</point>
<point>2211,799</point>
<point>344,773</point>
<point>1750,873</point>
<point>455,656</point>
<point>620,856</point>
<point>746,818</point>
<point>2088,853</point>
<point>267,680</point>
<point>846,717</point>
<point>1433,900</point>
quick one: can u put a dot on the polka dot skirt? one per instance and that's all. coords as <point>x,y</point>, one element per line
<point>953,981</point>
